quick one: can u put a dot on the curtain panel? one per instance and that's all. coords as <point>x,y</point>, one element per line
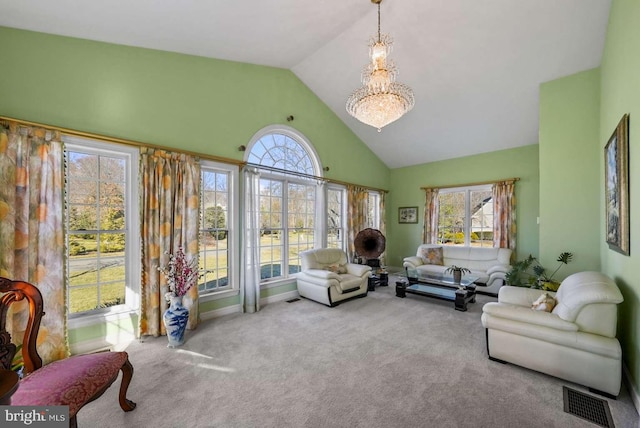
<point>357,198</point>
<point>504,215</point>
<point>170,211</point>
<point>31,229</point>
<point>431,214</point>
<point>250,253</point>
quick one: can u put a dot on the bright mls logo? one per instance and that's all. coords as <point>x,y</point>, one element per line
<point>34,416</point>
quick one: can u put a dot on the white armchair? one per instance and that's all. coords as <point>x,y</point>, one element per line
<point>328,278</point>
<point>576,341</point>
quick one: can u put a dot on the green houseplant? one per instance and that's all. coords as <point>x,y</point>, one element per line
<point>530,273</point>
<point>457,272</point>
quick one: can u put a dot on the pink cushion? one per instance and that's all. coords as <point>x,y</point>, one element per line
<point>70,382</point>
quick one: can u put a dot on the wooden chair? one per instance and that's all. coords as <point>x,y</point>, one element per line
<point>73,381</point>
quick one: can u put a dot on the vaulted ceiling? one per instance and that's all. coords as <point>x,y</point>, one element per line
<point>475,66</point>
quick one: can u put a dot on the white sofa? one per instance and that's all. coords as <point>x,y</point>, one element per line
<point>576,341</point>
<point>489,264</point>
<point>328,278</point>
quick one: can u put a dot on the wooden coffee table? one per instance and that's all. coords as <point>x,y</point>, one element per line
<point>439,287</point>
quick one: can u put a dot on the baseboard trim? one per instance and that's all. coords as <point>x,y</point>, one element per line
<point>234,309</point>
<point>101,344</point>
<point>631,387</point>
<point>217,313</point>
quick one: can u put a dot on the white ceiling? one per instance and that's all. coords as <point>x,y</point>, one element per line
<point>475,66</point>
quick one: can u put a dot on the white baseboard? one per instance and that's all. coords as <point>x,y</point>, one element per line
<point>293,294</point>
<point>216,313</point>
<point>631,387</point>
<point>101,344</point>
<point>234,309</point>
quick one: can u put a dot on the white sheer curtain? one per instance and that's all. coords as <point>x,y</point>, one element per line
<point>320,228</point>
<point>250,273</point>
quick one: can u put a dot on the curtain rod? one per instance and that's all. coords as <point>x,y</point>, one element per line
<point>75,133</point>
<point>310,176</point>
<point>478,183</point>
<point>239,163</point>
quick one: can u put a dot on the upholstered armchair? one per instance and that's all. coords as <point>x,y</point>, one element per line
<point>576,341</point>
<point>73,381</point>
<point>328,278</point>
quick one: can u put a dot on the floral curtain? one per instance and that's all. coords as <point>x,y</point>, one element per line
<point>431,214</point>
<point>357,198</point>
<point>504,215</point>
<point>383,224</point>
<point>31,229</point>
<point>250,273</point>
<point>170,219</point>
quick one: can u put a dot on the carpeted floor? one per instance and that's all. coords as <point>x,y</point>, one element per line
<point>379,361</point>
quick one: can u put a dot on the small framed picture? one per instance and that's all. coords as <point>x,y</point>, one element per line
<point>408,215</point>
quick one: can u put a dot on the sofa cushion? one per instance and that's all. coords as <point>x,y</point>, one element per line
<point>432,255</point>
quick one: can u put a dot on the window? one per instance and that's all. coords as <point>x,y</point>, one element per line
<point>288,197</point>
<point>217,229</point>
<point>466,216</point>
<point>336,215</point>
<point>373,210</point>
<point>101,225</point>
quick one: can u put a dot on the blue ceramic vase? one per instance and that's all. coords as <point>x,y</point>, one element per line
<point>175,321</point>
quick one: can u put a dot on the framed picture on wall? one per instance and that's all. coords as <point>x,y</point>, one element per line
<point>616,170</point>
<point>408,215</point>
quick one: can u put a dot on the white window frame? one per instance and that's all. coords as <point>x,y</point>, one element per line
<point>295,135</point>
<point>132,229</point>
<point>343,215</point>
<point>467,206</point>
<point>233,237</point>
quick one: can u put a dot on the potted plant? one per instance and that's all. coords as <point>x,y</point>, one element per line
<point>457,272</point>
<point>530,273</point>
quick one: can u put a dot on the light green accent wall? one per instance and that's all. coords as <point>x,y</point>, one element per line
<point>193,103</point>
<point>620,94</point>
<point>114,330</point>
<point>406,191</point>
<point>570,172</point>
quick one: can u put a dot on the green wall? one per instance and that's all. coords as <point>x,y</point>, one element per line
<point>620,94</point>
<point>191,103</point>
<point>406,191</point>
<point>570,172</point>
<point>199,104</point>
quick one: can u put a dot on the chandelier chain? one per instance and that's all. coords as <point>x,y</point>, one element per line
<point>379,22</point>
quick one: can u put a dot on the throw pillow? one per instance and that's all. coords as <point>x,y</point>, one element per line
<point>336,269</point>
<point>432,256</point>
<point>544,303</point>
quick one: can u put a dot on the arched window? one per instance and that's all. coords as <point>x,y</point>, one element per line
<point>285,149</point>
<point>289,198</point>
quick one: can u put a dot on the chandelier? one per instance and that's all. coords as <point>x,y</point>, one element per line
<point>381,100</point>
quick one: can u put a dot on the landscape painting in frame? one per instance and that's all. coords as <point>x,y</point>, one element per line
<point>408,215</point>
<point>616,167</point>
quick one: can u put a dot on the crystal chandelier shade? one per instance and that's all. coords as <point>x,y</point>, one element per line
<point>381,100</point>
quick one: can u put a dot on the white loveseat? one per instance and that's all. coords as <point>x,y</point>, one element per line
<point>327,278</point>
<point>576,341</point>
<point>489,264</point>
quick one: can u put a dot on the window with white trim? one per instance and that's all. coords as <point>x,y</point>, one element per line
<point>373,210</point>
<point>466,216</point>
<point>288,198</point>
<point>336,216</point>
<point>102,226</point>
<point>218,214</point>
